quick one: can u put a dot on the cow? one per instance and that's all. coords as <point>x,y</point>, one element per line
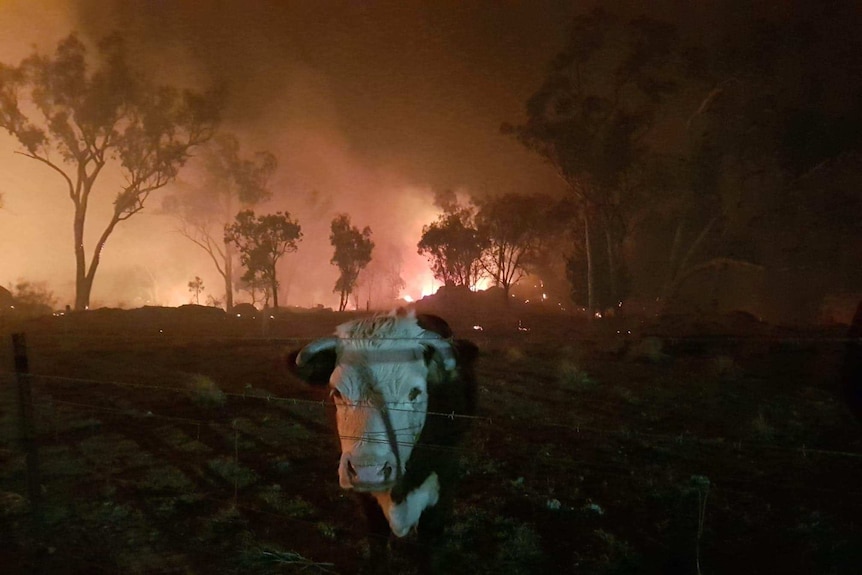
<point>391,377</point>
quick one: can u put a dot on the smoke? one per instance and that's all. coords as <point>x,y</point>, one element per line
<point>370,109</point>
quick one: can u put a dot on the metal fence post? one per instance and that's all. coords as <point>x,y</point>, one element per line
<point>27,428</point>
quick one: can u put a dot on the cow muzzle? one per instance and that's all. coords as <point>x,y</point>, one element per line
<point>366,476</point>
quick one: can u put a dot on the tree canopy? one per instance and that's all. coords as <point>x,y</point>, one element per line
<point>262,241</point>
<point>590,119</point>
<point>453,247</point>
<point>689,156</point>
<point>512,228</point>
<point>352,253</point>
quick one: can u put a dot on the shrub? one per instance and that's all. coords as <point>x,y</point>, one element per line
<point>32,299</point>
<point>571,376</point>
<point>205,392</point>
<point>649,349</point>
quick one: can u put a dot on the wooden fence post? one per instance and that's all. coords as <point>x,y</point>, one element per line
<point>27,428</point>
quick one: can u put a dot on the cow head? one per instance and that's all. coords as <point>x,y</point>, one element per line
<point>379,371</point>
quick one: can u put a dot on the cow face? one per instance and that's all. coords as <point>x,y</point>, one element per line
<point>381,399</point>
<point>380,370</point>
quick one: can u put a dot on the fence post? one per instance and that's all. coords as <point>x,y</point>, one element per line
<point>27,428</point>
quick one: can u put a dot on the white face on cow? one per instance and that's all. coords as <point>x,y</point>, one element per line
<point>380,388</point>
<point>381,371</point>
<point>381,397</point>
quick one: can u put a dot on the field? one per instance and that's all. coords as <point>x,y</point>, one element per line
<point>175,441</point>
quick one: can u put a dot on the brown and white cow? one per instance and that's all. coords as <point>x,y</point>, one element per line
<point>385,374</point>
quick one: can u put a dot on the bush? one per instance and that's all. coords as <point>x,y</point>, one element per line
<point>205,392</point>
<point>572,377</point>
<point>32,299</point>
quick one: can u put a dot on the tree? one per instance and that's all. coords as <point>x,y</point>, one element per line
<point>261,241</point>
<point>196,286</point>
<point>381,279</point>
<point>257,288</point>
<point>229,178</point>
<point>32,298</point>
<point>513,226</point>
<point>78,122</point>
<point>590,119</point>
<point>762,181</point>
<point>205,209</point>
<point>453,247</point>
<point>352,253</point>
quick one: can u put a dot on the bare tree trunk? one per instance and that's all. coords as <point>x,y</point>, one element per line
<point>228,277</point>
<point>612,269</point>
<point>274,286</point>
<point>680,270</point>
<point>82,287</point>
<point>589,250</point>
<point>85,276</point>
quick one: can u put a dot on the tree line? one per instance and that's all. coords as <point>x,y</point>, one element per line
<point>77,121</point>
<point>696,150</point>
<point>687,155</point>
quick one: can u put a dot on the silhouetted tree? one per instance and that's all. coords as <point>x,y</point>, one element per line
<point>453,247</point>
<point>352,253</point>
<point>512,226</point>
<point>32,298</point>
<point>196,286</point>
<point>229,180</point>
<point>589,120</point>
<point>77,122</point>
<point>381,280</point>
<point>261,241</point>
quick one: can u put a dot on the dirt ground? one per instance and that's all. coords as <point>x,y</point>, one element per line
<point>175,441</point>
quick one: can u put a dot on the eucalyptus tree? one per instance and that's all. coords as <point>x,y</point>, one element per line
<point>513,228</point>
<point>352,252</point>
<point>228,180</point>
<point>81,119</point>
<point>262,241</point>
<point>453,247</point>
<point>590,120</point>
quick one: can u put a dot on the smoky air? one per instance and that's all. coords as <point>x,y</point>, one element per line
<point>701,159</point>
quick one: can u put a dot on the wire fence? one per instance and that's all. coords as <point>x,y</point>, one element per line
<point>99,407</point>
<point>512,419</point>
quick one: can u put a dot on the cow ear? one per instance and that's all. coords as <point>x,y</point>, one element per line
<point>314,368</point>
<point>434,323</point>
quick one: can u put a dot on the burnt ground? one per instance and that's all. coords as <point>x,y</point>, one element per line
<point>177,442</point>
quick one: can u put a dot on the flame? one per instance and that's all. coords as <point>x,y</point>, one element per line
<point>482,284</point>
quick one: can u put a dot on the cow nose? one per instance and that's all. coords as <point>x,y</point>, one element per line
<point>369,474</point>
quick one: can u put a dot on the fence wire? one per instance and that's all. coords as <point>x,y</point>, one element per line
<point>572,426</point>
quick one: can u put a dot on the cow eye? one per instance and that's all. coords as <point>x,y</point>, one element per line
<point>414,393</point>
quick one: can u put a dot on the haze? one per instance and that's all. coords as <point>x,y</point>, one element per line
<point>733,179</point>
<point>370,108</point>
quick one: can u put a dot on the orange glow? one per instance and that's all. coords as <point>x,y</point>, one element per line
<point>483,284</point>
<point>304,115</point>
